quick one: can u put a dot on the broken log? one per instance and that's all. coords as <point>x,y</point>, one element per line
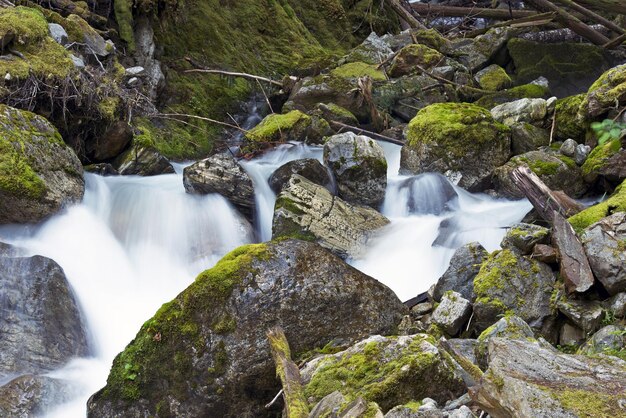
<point>570,21</point>
<point>615,42</point>
<point>296,405</point>
<point>611,6</point>
<point>575,270</point>
<point>592,15</point>
<point>450,11</point>
<point>540,196</point>
<point>359,131</point>
<point>404,14</point>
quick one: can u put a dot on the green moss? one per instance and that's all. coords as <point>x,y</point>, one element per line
<point>27,24</point>
<point>615,203</point>
<point>280,128</point>
<point>567,124</point>
<point>108,108</point>
<point>520,92</point>
<point>495,79</point>
<point>599,156</point>
<point>539,167</point>
<point>589,404</point>
<point>432,39</point>
<point>341,112</point>
<point>124,18</point>
<point>411,55</point>
<point>607,90</point>
<point>413,405</point>
<point>357,70</point>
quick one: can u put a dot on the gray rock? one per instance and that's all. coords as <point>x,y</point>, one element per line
<point>551,105</point>
<point>40,323</point>
<point>144,39</point>
<point>615,304</point>
<point>524,110</point>
<point>48,176</point>
<point>133,82</point>
<point>77,61</point>
<point>359,166</point>
<point>142,161</point>
<point>115,139</point>
<point>93,42</point>
<point>605,246</point>
<point>402,411</point>
<point>520,382</point>
<point>476,53</point>
<point>357,409</point>
<point>32,396</point>
<point>458,403</point>
<point>581,153</point>
<point>135,71</point>
<point>221,174</point>
<point>452,313</point>
<point>464,266</point>
<point>571,335</point>
<point>512,327</point>
<point>486,78</point>
<point>524,237</point>
<point>306,210</point>
<point>309,168</point>
<point>526,137</point>
<point>609,339</point>
<point>586,314</point>
<point>8,250</point>
<point>328,406</point>
<point>568,148</point>
<point>373,50</point>
<point>58,33</point>
<point>214,332</point>
<point>422,308</point>
<point>462,412</point>
<point>466,347</point>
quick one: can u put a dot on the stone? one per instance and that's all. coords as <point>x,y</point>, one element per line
<point>309,168</point>
<point>607,160</point>
<point>524,237</point>
<point>581,153</point>
<point>115,139</point>
<point>605,246</point>
<point>511,327</point>
<point>222,174</point>
<point>532,111</point>
<point>276,128</point>
<point>551,104</point>
<point>422,308</point>
<point>31,395</point>
<point>467,348</point>
<point>39,173</point>
<point>306,210</point>
<point>571,335</point>
<point>373,50</point>
<point>142,161</point>
<point>608,91</point>
<point>452,313</point>
<point>614,168</point>
<point>329,405</point>
<point>462,412</point>
<point>568,148</point>
<point>8,250</point>
<point>58,33</point>
<point>520,382</point>
<point>408,58</point>
<point>476,53</point>
<point>94,43</point>
<point>526,137</point>
<point>390,371</point>
<point>135,71</point>
<point>544,253</point>
<point>102,169</point>
<point>587,315</point>
<point>359,167</point>
<point>335,113</point>
<point>41,327</point>
<point>464,266</point>
<point>510,283</point>
<point>214,332</point>
<point>617,305</point>
<point>610,339</point>
<point>77,61</point>
<point>567,124</point>
<point>133,82</point>
<point>460,140</point>
<point>493,77</point>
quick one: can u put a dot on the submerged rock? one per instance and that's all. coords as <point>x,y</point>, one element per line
<point>205,353</point>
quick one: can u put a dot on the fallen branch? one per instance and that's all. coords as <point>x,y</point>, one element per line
<point>615,42</point>
<point>235,74</point>
<point>611,6</point>
<point>450,11</point>
<point>592,15</point>
<point>371,134</point>
<point>535,20</point>
<point>405,14</point>
<point>184,115</point>
<point>539,195</point>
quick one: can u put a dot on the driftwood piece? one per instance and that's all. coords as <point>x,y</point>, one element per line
<point>295,403</point>
<point>450,11</point>
<point>575,269</point>
<point>570,21</point>
<point>540,196</point>
<point>404,14</point>
<point>359,131</point>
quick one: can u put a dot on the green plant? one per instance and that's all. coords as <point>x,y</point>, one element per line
<point>608,130</point>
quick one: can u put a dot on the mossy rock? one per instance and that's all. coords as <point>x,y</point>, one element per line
<point>335,113</point>
<point>456,137</point>
<point>598,158</point>
<point>493,78</point>
<point>567,124</point>
<point>526,91</point>
<point>607,92</point>
<point>404,63</point>
<point>569,67</point>
<point>355,70</point>
<point>432,39</point>
<point>615,203</point>
<point>205,353</point>
<point>274,128</point>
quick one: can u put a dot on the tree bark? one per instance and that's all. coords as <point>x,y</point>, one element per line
<point>575,269</point>
<point>542,198</point>
<point>450,11</point>
<point>405,14</point>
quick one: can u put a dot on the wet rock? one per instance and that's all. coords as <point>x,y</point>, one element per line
<point>30,396</point>
<point>571,335</point>
<point>40,322</point>
<point>102,169</point>
<point>8,250</point>
<point>459,140</point>
<point>389,371</point>
<point>493,78</point>
<point>111,143</point>
<point>605,246</point>
<point>206,353</point>
<point>523,237</point>
<point>610,339</point>
<point>531,111</point>
<point>586,314</point>
<point>526,137</point>
<point>221,174</point>
<point>406,61</point>
<point>512,327</point>
<point>39,174</point>
<point>544,253</point>
<point>581,153</point>
<point>373,50</point>
<point>309,168</point>
<point>142,161</point>
<point>306,210</point>
<point>452,313</point>
<point>359,166</point>
<point>58,33</point>
<point>568,148</point>
<point>464,266</point>
<point>510,283</point>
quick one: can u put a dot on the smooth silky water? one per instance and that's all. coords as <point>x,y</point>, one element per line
<point>134,243</point>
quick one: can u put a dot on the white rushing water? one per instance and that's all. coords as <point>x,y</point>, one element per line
<point>135,243</point>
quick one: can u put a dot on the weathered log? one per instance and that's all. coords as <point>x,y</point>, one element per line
<point>295,403</point>
<point>359,131</point>
<point>561,35</point>
<point>615,42</point>
<point>575,269</point>
<point>404,14</point>
<point>592,15</point>
<point>570,21</point>
<point>450,11</point>
<point>539,195</point>
<point>535,20</point>
<point>612,6</point>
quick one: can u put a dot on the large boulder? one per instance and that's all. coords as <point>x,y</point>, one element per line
<point>604,94</point>
<point>221,174</point>
<point>530,379</point>
<point>309,168</point>
<point>452,313</point>
<point>308,211</point>
<point>359,166</point>
<point>615,203</point>
<point>40,322</point>
<point>39,174</point>
<point>526,137</point>
<point>476,53</point>
<point>291,126</point>
<point>408,58</point>
<point>605,246</point>
<point>389,371</point>
<point>607,161</point>
<point>32,396</point>
<point>142,161</point>
<point>459,140</point>
<point>205,353</point>
<point>464,266</point>
<point>493,78</point>
<point>510,283</point>
<point>531,111</point>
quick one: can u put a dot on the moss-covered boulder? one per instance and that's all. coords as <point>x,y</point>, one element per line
<point>493,78</point>
<point>205,353</point>
<point>404,63</point>
<point>291,126</point>
<point>526,137</point>
<point>526,91</point>
<point>460,140</point>
<point>556,170</point>
<point>335,113</point>
<point>615,203</point>
<point>569,67</point>
<point>605,93</point>
<point>476,53</point>
<point>39,174</point>
<point>389,371</point>
<point>509,283</point>
<point>603,159</point>
<point>523,237</point>
<point>567,124</point>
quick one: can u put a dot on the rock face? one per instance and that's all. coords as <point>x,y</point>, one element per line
<point>308,211</point>
<point>605,246</point>
<point>309,168</point>
<point>205,353</point>
<point>40,322</point>
<point>30,395</point>
<point>464,266</point>
<point>359,167</point>
<point>222,174</point>
<point>142,161</point>
<point>389,371</point>
<point>458,140</point>
<point>39,174</point>
<point>527,379</point>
